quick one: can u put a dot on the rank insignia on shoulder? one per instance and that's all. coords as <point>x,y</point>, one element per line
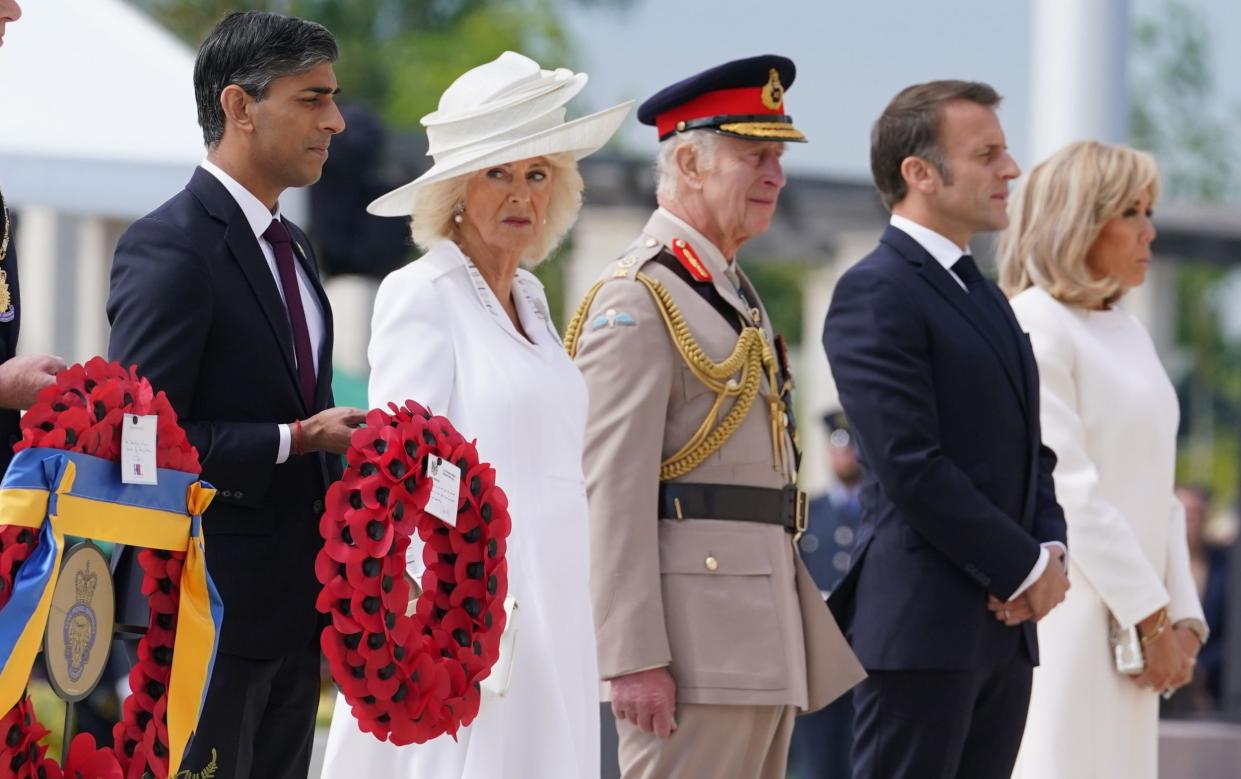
<point>686,255</point>
<point>612,318</point>
<point>625,266</point>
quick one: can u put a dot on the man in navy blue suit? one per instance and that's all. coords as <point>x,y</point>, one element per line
<point>961,543</point>
<point>216,297</point>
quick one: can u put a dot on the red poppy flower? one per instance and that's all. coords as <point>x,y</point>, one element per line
<point>87,759</point>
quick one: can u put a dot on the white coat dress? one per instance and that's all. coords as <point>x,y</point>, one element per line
<point>1110,414</point>
<point>440,337</point>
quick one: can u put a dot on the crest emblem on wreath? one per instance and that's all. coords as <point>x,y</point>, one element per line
<point>80,625</point>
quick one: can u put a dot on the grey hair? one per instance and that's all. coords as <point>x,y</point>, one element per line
<point>431,220</point>
<point>705,142</point>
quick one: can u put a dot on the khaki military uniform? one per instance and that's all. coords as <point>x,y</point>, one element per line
<point>677,395</point>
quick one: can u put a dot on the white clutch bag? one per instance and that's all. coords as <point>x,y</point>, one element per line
<point>1126,648</point>
<point>498,682</point>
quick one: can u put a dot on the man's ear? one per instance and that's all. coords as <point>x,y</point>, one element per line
<point>237,105</point>
<point>689,164</point>
<point>920,175</point>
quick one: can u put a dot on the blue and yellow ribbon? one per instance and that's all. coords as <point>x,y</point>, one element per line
<point>60,494</point>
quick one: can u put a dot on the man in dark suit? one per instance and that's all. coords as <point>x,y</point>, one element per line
<point>217,299</point>
<point>821,739</point>
<point>960,549</point>
<point>22,377</point>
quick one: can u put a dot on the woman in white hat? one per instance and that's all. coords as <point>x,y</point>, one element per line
<point>465,330</point>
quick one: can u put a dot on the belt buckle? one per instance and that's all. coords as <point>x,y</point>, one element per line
<point>801,514</point>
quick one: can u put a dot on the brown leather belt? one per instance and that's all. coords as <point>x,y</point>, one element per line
<point>786,507</point>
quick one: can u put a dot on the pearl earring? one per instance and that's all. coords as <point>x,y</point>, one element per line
<point>458,212</point>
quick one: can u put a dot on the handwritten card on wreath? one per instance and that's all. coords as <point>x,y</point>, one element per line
<point>138,449</point>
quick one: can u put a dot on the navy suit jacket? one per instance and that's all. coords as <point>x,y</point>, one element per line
<point>195,305</point>
<point>958,491</point>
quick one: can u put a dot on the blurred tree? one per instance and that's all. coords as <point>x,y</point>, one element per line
<point>397,56</point>
<point>1176,111</point>
<point>1178,115</point>
<point>780,284</point>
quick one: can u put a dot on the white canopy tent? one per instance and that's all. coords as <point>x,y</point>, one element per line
<point>97,127</point>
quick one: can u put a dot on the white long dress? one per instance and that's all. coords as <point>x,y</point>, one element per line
<point>440,337</point>
<point>1110,414</point>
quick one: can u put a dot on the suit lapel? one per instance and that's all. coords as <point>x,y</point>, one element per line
<point>249,257</point>
<point>969,308</point>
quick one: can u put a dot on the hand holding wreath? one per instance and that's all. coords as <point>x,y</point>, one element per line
<point>409,679</point>
<point>83,412</point>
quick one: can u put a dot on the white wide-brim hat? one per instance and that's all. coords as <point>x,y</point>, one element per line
<point>506,110</point>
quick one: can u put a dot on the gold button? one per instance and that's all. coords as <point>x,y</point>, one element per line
<point>732,385</point>
<point>680,127</point>
<point>711,563</point>
<point>651,243</point>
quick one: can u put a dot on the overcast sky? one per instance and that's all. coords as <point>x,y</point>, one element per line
<point>851,56</point>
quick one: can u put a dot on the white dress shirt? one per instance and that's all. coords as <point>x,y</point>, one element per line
<point>260,218</point>
<point>946,253</point>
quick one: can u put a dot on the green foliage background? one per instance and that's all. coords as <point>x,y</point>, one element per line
<point>397,56</point>
<point>1178,115</point>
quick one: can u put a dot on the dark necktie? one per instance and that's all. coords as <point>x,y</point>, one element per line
<point>967,271</point>
<point>282,243</point>
<point>985,302</point>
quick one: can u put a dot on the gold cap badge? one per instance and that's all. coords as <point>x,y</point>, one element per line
<point>773,91</point>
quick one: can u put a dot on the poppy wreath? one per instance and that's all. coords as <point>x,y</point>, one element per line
<point>83,412</point>
<point>411,678</point>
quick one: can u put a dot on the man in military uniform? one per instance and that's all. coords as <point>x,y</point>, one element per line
<point>821,741</point>
<point>711,632</point>
<point>21,378</point>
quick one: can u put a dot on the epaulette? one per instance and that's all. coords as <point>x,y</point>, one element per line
<point>637,254</point>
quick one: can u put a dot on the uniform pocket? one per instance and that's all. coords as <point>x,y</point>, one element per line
<point>720,608</point>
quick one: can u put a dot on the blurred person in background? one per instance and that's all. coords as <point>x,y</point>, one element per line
<point>466,331</point>
<point>1079,238</point>
<point>822,739</point>
<point>1209,562</point>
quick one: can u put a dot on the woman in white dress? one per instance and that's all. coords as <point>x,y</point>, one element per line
<point>466,331</point>
<point>1079,237</point>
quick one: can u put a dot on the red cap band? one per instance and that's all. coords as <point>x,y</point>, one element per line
<point>743,101</point>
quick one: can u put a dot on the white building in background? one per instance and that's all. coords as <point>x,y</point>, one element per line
<point>97,127</point>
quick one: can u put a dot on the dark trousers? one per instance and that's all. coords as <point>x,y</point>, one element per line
<point>940,724</point>
<point>259,718</point>
<point>821,742</point>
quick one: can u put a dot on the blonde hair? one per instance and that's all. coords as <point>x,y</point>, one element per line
<point>435,205</point>
<point>1057,213</point>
